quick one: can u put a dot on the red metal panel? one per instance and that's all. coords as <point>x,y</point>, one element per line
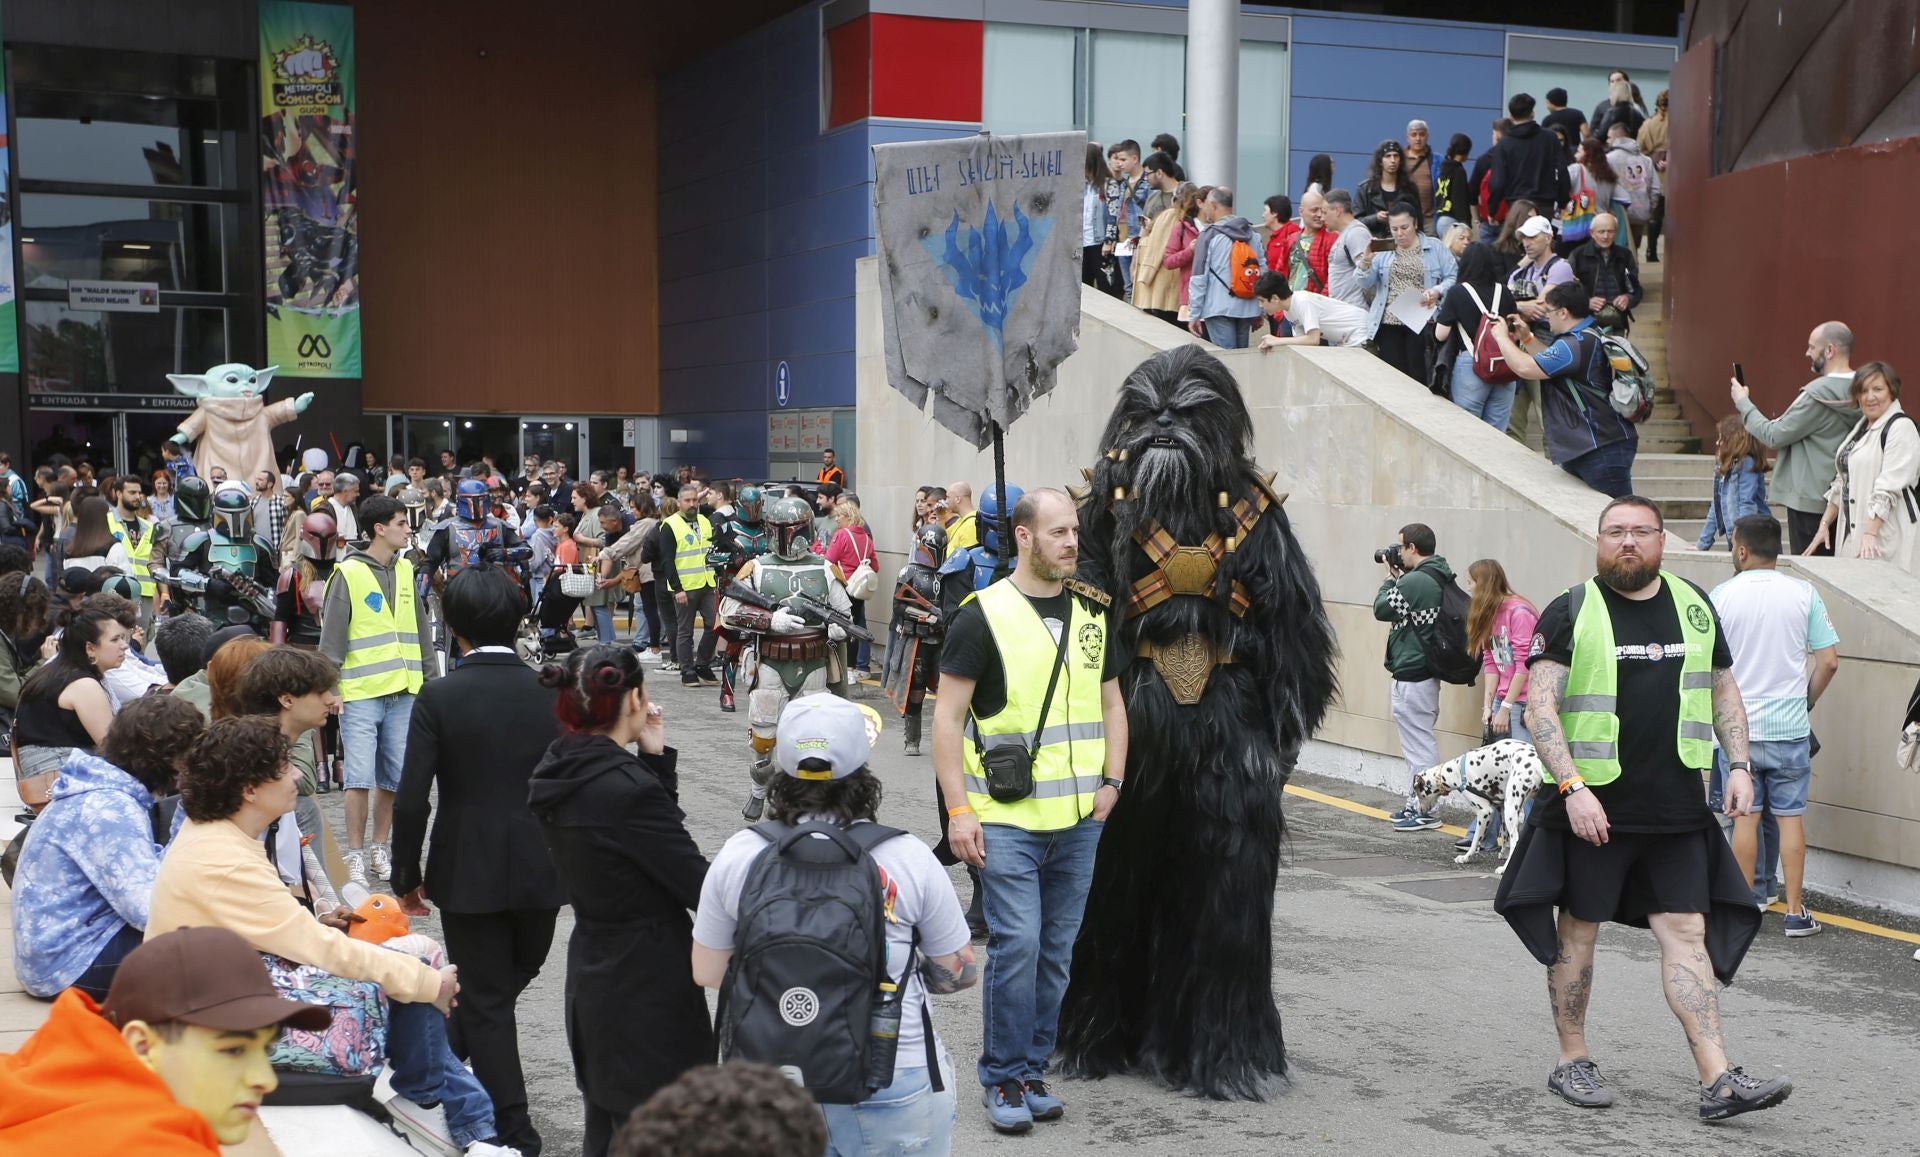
<point>1848,74</point>
<point>1759,62</point>
<point>925,68</point>
<point>850,71</point>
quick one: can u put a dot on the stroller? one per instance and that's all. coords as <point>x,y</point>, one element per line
<point>547,631</point>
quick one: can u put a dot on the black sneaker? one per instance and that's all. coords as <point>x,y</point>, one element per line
<point>1734,1092</point>
<point>1006,1105</point>
<point>706,675</point>
<point>1578,1083</point>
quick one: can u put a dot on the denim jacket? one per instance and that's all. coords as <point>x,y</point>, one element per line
<point>1735,495</point>
<point>1438,267</point>
<point>86,871</point>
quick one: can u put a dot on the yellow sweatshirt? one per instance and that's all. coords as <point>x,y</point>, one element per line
<point>214,874</point>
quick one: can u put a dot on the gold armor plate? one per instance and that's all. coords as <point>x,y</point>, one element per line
<point>1190,570</point>
<point>1185,665</point>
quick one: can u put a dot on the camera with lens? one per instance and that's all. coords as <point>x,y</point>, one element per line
<point>1389,555</point>
<point>1525,289</point>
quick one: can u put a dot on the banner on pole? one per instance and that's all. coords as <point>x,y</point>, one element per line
<point>9,318</point>
<point>308,189</point>
<point>979,243</point>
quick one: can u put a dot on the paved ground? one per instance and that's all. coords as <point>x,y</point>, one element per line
<point>1414,1024</point>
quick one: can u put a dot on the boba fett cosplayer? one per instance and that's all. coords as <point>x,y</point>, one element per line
<point>737,541</point>
<point>780,606</point>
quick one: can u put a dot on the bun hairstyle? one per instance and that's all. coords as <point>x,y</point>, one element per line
<point>591,684</point>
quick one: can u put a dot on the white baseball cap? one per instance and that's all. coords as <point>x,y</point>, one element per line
<point>1535,226</point>
<point>825,727</point>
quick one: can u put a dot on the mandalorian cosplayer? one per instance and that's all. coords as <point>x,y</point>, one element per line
<point>1234,670</point>
<point>737,541</point>
<point>786,654</point>
<point>919,623</point>
<point>986,561</point>
<point>232,570</point>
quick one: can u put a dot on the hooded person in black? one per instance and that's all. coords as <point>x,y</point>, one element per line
<point>612,821</point>
<point>1528,162</point>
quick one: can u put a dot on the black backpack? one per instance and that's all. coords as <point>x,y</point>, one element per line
<point>1446,640</point>
<point>807,990</point>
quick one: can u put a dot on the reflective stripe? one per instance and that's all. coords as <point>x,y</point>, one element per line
<point>1046,788</point>
<point>1588,703</point>
<point>1691,730</point>
<point>1696,680</point>
<point>1060,733</point>
<point>352,670</point>
<point>384,639</point>
<point>1589,709</point>
<point>1591,750</point>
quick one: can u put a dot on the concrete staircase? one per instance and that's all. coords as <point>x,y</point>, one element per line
<point>1670,468</point>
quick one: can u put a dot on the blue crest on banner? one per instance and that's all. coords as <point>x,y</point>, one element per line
<point>986,267</point>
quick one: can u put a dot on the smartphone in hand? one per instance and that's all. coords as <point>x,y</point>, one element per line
<point>1739,374</point>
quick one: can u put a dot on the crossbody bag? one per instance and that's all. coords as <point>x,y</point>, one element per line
<point>1009,766</point>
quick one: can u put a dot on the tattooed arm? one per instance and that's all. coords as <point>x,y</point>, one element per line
<point>950,973</point>
<point>1730,725</point>
<point>1548,681</point>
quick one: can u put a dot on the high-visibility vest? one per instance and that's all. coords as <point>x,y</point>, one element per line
<point>964,534</point>
<point>691,542</point>
<point>137,554</point>
<point>384,652</point>
<point>1589,708</point>
<point>1072,755</point>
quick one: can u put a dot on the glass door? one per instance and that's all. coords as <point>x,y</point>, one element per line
<point>562,438</point>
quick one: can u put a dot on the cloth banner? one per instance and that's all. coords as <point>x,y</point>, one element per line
<point>979,244</point>
<point>308,190</point>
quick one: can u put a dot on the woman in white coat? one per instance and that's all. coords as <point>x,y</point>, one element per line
<point>1873,508</point>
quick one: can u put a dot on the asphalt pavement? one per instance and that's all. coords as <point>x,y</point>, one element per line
<point>1415,1021</point>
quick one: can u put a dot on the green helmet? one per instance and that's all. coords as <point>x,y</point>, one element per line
<point>791,521</point>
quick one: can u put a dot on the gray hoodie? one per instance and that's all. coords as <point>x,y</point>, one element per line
<point>338,609</point>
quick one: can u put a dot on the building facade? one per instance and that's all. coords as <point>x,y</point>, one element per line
<point>608,233</point>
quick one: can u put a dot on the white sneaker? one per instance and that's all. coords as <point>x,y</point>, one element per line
<point>489,1149</point>
<point>428,1126</point>
<point>382,862</point>
<point>356,862</point>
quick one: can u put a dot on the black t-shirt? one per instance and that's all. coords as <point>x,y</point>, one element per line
<point>969,652</point>
<point>1655,791</point>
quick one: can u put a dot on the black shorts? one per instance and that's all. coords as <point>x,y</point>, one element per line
<point>1636,874</point>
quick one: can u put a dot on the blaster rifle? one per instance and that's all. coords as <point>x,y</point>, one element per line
<point>806,606</point>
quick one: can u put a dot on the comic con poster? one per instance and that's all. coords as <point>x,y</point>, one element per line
<point>308,190</point>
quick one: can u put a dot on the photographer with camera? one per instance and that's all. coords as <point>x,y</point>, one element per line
<point>1409,598</point>
<point>1584,435</point>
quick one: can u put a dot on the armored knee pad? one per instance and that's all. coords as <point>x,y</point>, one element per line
<point>763,713</point>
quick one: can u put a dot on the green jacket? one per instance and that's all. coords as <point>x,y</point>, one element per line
<point>1402,602</point>
<point>1807,437</point>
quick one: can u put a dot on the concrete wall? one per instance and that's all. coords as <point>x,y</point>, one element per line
<point>1362,450</point>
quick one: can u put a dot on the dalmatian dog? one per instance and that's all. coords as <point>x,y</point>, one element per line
<point>1507,771</point>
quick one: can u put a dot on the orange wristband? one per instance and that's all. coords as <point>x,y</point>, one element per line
<point>1571,783</point>
<point>962,810</point>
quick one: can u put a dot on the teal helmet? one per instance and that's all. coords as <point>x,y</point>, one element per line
<point>749,504</point>
<point>791,522</point>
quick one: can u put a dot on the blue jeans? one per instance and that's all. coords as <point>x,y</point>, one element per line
<point>603,622</point>
<point>1034,888</point>
<point>426,1072</point>
<point>860,650</point>
<point>1229,333</point>
<point>1766,861</point>
<point>905,1117</point>
<point>1126,276</point>
<point>1492,404</point>
<point>373,740</point>
<point>1516,729</point>
<point>1608,469</point>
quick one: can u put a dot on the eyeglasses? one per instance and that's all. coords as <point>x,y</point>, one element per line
<point>1637,533</point>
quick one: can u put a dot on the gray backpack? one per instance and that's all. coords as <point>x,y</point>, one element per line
<point>807,990</point>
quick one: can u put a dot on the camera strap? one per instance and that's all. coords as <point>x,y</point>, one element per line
<point>1059,661</point>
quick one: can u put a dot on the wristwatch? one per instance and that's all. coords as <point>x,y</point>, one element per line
<point>1739,765</point>
<point>1109,781</point>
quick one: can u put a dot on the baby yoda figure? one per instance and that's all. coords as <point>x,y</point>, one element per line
<point>232,427</point>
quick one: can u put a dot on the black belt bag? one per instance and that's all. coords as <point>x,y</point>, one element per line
<point>1009,766</point>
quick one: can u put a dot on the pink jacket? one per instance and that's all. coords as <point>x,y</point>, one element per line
<point>1512,639</point>
<point>1179,253</point>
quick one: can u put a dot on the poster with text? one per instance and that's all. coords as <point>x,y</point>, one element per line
<point>9,322</point>
<point>307,188</point>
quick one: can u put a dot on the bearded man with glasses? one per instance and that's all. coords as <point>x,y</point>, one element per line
<point>1630,682</point>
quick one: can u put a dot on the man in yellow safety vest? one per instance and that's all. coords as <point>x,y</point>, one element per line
<point>374,625</point>
<point>692,583</point>
<point>1030,748</point>
<point>1631,680</point>
<point>134,536</point>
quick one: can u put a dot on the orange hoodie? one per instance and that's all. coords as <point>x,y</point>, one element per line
<point>76,1089</point>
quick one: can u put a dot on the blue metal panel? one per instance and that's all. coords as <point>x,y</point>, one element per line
<point>720,444</point>
<point>832,161</point>
<point>815,327</point>
<point>714,340</point>
<point>1386,32</point>
<point>719,289</point>
<point>893,132</point>
<point>694,251</point>
<point>818,380</point>
<point>1402,76</point>
<point>725,147</point>
<point>830,219</point>
<point>738,386</point>
<point>815,275</point>
<point>1348,169</point>
<point>725,197</point>
<point>1332,126</point>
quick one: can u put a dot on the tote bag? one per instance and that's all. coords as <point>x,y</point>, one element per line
<point>1576,220</point>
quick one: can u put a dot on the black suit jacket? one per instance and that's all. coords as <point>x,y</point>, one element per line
<point>479,732</point>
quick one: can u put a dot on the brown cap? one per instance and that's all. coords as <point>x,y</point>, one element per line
<point>204,976</point>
